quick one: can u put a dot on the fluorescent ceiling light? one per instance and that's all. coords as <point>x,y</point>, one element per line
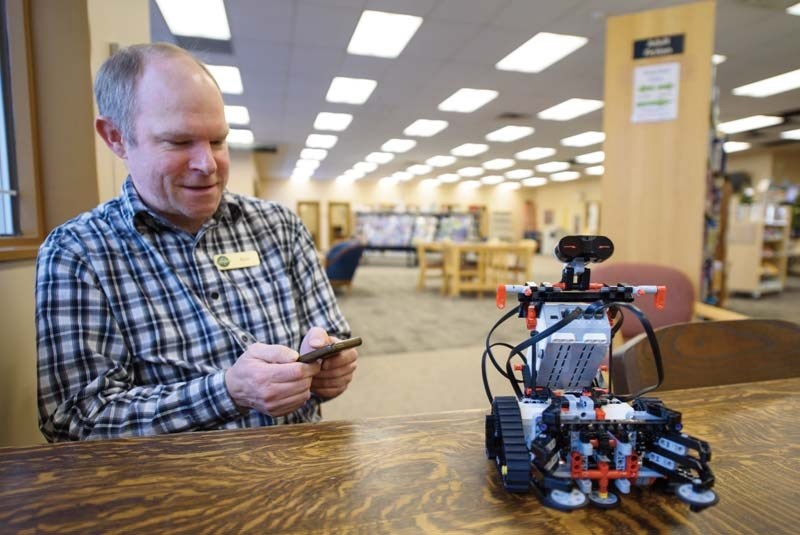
<point>440,161</point>
<point>380,157</point>
<point>540,51</point>
<point>535,153</point>
<point>237,115</point>
<point>565,176</point>
<point>552,167</point>
<point>569,109</point>
<point>518,174</point>
<point>307,164</point>
<point>350,90</point>
<point>419,169</point>
<point>509,186</point>
<point>398,145</point>
<point>509,133</point>
<point>791,134</point>
<point>354,174</point>
<point>382,34</point>
<point>591,157</point>
<point>425,127</point>
<point>302,174</point>
<point>239,136</point>
<point>448,178</point>
<point>534,182</point>
<point>735,146</point>
<point>321,141</point>
<point>467,100</point>
<point>429,183</point>
<point>492,179</point>
<point>794,9</point>
<point>584,139</point>
<point>469,149</point>
<point>332,121</point>
<point>313,154</point>
<point>770,86</point>
<point>470,171</point>
<point>228,78</point>
<point>366,167</point>
<point>342,179</point>
<point>595,170</point>
<point>717,59</point>
<point>749,123</point>
<point>403,175</point>
<point>498,163</point>
<point>199,18</point>
<point>387,181</point>
<point>469,184</point>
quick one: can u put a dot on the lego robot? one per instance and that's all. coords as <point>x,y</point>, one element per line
<point>564,434</point>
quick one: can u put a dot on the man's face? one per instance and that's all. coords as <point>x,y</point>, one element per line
<point>179,164</point>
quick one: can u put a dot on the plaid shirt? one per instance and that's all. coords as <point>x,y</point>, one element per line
<point>136,325</point>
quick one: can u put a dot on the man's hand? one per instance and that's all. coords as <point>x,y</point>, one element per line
<point>268,379</point>
<point>337,371</point>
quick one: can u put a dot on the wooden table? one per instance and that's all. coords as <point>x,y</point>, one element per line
<point>491,264</point>
<point>424,474</point>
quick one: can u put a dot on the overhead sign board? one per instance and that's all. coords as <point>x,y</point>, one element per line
<point>665,45</point>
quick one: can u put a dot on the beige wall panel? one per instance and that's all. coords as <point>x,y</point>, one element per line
<point>653,191</point>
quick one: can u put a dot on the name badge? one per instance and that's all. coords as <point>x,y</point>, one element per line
<point>238,260</point>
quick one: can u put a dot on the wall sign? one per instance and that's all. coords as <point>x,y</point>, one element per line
<point>651,47</point>
<point>655,92</point>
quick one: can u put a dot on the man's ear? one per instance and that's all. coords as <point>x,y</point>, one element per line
<point>111,135</point>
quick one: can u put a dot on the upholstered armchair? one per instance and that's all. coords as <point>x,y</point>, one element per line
<point>341,262</point>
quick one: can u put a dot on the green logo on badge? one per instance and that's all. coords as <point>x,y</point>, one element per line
<point>223,261</point>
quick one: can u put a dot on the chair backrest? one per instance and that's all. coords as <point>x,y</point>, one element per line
<point>710,353</point>
<point>679,299</point>
<point>342,260</point>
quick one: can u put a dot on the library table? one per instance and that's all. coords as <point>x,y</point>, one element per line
<point>409,474</point>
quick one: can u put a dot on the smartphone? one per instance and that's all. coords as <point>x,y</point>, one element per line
<point>329,350</point>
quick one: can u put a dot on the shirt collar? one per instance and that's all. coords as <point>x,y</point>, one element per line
<point>139,214</point>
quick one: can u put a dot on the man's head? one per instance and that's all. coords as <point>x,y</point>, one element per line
<point>161,111</point>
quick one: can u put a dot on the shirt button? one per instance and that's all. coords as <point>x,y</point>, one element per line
<point>245,338</point>
<point>215,295</point>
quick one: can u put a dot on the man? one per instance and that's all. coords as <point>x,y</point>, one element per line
<point>178,306</point>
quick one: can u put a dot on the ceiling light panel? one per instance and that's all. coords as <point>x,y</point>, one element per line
<point>365,167</point>
<point>470,171</point>
<point>380,157</point>
<point>307,164</point>
<point>440,161</point>
<point>237,115</point>
<point>425,128</point>
<point>321,141</point>
<point>535,153</point>
<point>791,134</point>
<point>398,145</point>
<point>552,167</point>
<point>469,149</point>
<point>565,176</point>
<point>448,178</point>
<point>350,90</point>
<point>491,180</point>
<point>735,146</point>
<point>794,9</point>
<point>419,169</point>
<point>469,184</point>
<point>332,121</point>
<point>718,59</point>
<point>313,154</point>
<point>591,157</point>
<point>355,174</point>
<point>467,100</point>
<point>508,186</point>
<point>570,109</point>
<point>499,163</point>
<point>199,18</point>
<point>403,175</point>
<point>239,136</point>
<point>595,170</point>
<point>228,78</point>
<point>749,123</point>
<point>519,174</point>
<point>584,139</point>
<point>534,182</point>
<point>541,51</point>
<point>770,86</point>
<point>382,34</point>
<point>509,133</point>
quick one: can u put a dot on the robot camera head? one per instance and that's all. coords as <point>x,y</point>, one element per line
<point>588,248</point>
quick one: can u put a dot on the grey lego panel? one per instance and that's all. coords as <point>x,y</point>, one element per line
<point>569,365</point>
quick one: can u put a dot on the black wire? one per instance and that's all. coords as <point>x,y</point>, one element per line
<point>488,351</point>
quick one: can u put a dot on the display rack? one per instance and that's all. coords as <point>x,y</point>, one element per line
<point>402,230</point>
<point>758,247</point>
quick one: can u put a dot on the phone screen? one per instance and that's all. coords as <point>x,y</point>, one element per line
<point>329,350</point>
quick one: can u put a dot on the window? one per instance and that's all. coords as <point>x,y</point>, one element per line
<point>8,206</point>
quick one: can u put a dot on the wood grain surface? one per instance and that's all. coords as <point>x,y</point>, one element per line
<point>411,474</point>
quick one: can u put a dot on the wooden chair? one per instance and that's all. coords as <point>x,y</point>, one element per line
<point>708,354</point>
<point>431,264</point>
